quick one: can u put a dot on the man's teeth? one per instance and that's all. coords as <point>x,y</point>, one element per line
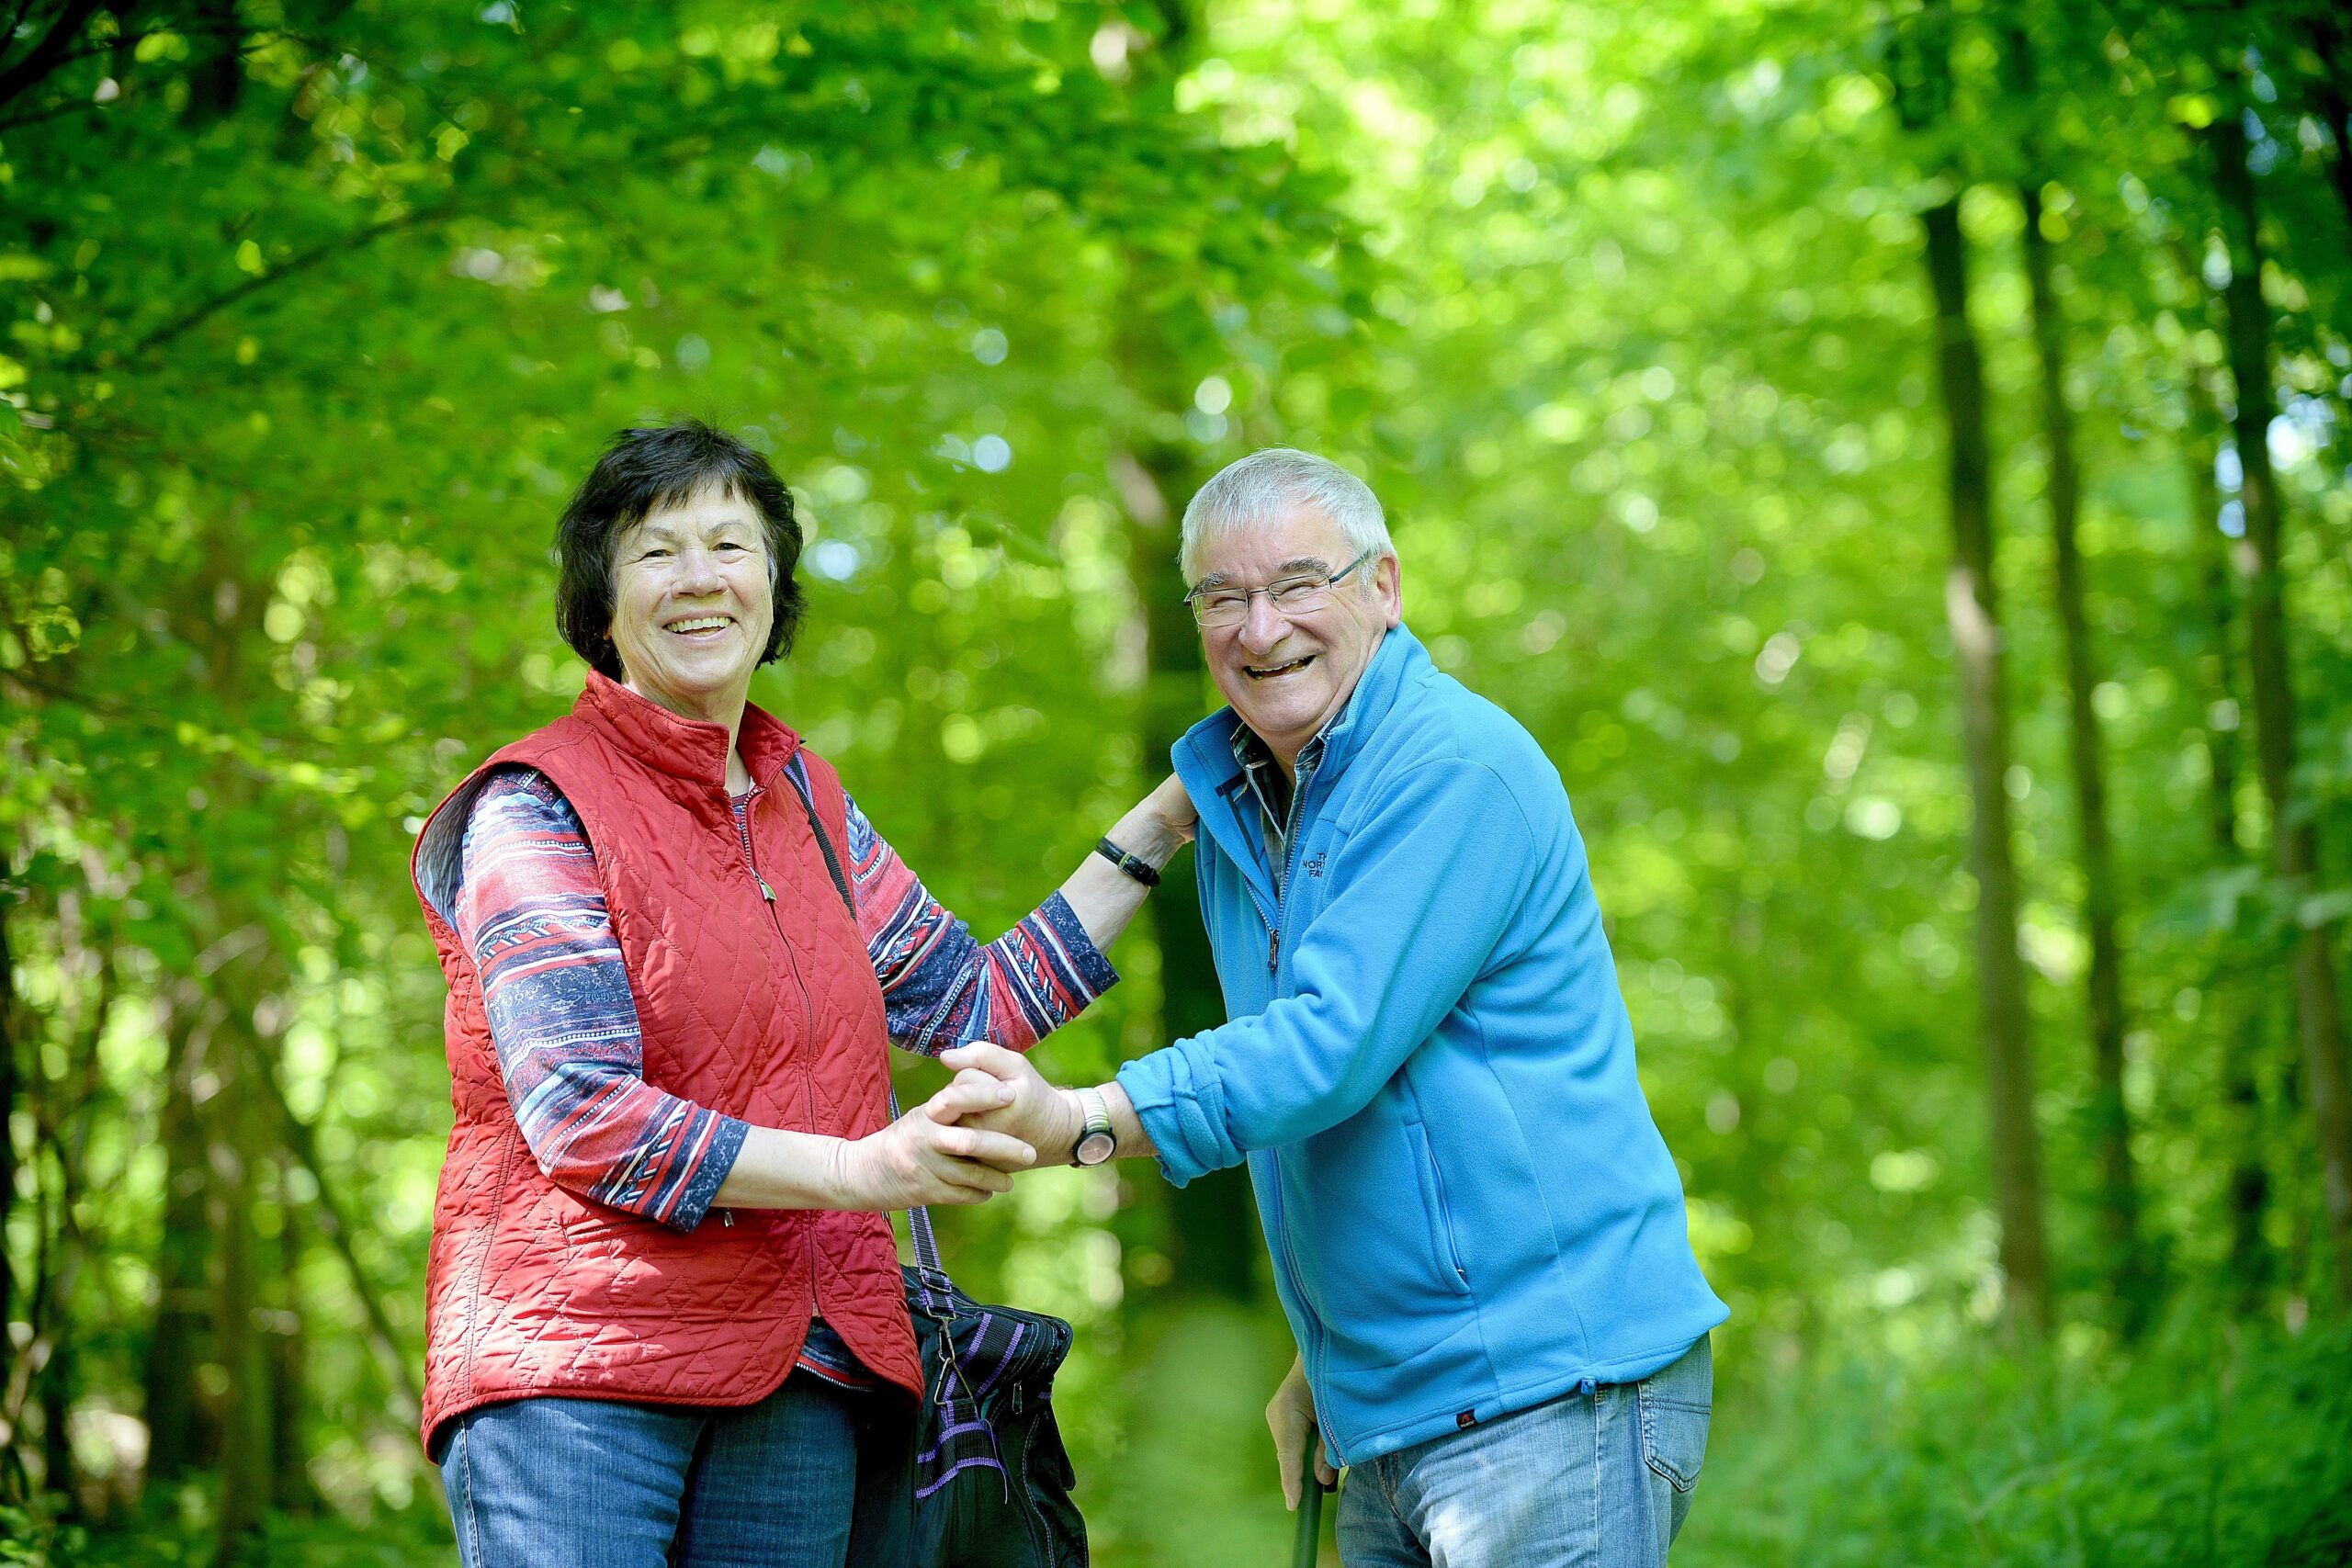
<point>701,624</point>
<point>1262,671</point>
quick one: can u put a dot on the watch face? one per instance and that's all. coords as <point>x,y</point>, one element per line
<point>1094,1148</point>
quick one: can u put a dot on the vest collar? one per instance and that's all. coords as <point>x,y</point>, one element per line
<point>683,748</point>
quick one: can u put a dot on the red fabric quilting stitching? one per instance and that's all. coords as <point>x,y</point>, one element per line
<point>649,789</point>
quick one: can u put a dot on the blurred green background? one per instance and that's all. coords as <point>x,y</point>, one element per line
<point>1890,454</point>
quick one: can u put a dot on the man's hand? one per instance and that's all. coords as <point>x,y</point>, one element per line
<point>1048,1118</point>
<point>937,1152</point>
<point>1289,1416</point>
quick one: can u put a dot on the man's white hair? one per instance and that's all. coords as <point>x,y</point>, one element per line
<point>1260,490</point>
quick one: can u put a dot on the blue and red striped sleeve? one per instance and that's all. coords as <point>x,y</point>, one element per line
<point>532,913</point>
<point>940,986</point>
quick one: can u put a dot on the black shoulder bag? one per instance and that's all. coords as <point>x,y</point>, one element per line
<point>976,1476</point>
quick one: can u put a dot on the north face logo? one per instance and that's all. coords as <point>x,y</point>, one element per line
<point>1315,867</point>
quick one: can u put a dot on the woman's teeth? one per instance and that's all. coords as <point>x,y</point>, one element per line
<point>704,624</point>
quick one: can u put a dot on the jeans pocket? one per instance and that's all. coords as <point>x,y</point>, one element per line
<point>1674,1435</point>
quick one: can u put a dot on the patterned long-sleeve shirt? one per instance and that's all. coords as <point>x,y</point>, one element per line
<point>531,911</point>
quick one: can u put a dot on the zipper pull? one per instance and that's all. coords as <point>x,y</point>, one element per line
<point>726,1218</point>
<point>765,891</point>
<point>1273,949</point>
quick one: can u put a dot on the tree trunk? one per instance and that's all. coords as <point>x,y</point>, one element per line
<point>10,1084</point>
<point>1972,609</point>
<point>61,1127</point>
<point>1213,1239</point>
<point>53,1386</point>
<point>291,1490</point>
<point>2126,1264</point>
<point>2331,95</point>
<point>216,78</point>
<point>238,966</point>
<point>302,1143</point>
<point>2295,849</point>
<point>178,1437</point>
<point>246,1450</point>
<point>2242,1046</point>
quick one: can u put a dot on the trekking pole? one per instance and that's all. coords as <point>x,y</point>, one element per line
<point>1311,1509</point>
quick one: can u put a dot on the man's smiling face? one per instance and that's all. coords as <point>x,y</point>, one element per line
<point>1286,675</point>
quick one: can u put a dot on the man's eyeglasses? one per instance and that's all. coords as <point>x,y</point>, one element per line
<point>1226,606</point>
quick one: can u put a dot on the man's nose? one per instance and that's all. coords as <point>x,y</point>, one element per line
<point>1262,625</point>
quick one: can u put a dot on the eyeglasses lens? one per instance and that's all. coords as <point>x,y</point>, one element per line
<point>1297,597</point>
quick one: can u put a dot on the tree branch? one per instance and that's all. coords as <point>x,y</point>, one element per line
<point>303,1142</point>
<point>342,244</point>
<point>58,111</point>
<point>50,52</point>
<point>54,1273</point>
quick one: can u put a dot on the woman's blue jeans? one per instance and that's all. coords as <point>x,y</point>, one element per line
<point>550,1482</point>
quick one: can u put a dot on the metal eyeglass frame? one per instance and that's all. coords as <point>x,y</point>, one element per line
<point>1195,600</point>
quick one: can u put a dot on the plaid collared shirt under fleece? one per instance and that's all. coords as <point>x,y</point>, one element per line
<point>1273,789</point>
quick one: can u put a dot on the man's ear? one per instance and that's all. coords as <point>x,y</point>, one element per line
<point>1388,580</point>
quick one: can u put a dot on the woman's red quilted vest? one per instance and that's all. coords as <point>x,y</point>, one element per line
<point>765,1011</point>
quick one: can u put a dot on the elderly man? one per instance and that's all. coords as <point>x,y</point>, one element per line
<point>1478,1232</point>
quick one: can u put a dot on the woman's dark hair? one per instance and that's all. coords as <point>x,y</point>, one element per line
<point>641,473</point>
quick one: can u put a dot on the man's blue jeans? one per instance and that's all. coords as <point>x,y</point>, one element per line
<point>1597,1480</point>
<point>549,1482</point>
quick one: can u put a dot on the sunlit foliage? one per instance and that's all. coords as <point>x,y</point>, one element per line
<point>316,312</point>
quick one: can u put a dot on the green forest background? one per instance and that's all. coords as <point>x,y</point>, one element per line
<point>1892,453</point>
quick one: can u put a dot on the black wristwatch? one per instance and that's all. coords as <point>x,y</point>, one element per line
<point>1142,871</point>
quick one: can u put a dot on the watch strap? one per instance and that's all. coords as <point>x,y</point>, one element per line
<point>1097,1112</point>
<point>1142,871</point>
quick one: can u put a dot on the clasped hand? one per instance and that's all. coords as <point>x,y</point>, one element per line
<point>999,1116</point>
<point>937,1152</point>
<point>1046,1119</point>
<point>965,1143</point>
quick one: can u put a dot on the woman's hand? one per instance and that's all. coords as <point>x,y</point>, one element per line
<point>1105,897</point>
<point>1046,1119</point>
<point>1160,824</point>
<point>1174,808</point>
<point>926,1157</point>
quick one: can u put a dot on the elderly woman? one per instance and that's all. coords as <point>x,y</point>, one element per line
<point>663,1272</point>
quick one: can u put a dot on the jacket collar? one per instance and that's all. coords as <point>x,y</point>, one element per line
<point>1205,759</point>
<point>1398,657</point>
<point>687,749</point>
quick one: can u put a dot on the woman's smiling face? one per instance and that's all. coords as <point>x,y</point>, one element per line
<point>692,599</point>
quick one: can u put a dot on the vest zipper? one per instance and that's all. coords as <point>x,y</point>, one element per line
<point>808,1009</point>
<point>751,864</point>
